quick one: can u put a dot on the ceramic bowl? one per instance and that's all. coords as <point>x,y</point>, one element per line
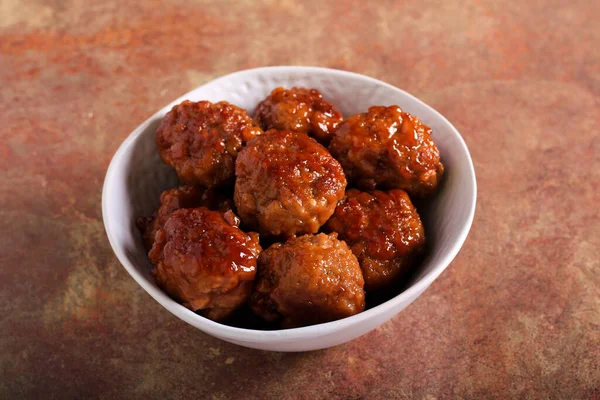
<point>136,177</point>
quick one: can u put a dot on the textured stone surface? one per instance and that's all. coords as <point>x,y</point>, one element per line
<point>515,316</point>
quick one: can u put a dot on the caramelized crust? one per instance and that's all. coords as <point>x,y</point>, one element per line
<point>388,148</point>
<point>203,260</point>
<point>384,231</point>
<point>299,110</point>
<point>308,280</point>
<point>201,140</point>
<point>287,184</point>
<point>182,197</point>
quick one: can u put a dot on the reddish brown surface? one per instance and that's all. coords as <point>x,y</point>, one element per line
<point>185,196</point>
<point>514,316</point>
<point>286,184</point>
<point>201,140</point>
<point>387,148</point>
<point>204,261</point>
<point>308,280</point>
<point>385,232</point>
<point>299,110</point>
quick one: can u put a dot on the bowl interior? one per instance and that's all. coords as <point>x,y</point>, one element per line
<point>137,176</point>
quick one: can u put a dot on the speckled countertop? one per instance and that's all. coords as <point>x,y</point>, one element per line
<point>516,315</point>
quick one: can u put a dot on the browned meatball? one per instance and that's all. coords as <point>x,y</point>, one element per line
<point>308,280</point>
<point>172,200</point>
<point>388,148</point>
<point>201,140</point>
<point>287,184</point>
<point>299,110</point>
<point>203,260</point>
<point>384,231</point>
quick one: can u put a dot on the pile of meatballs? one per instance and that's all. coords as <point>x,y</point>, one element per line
<point>294,211</point>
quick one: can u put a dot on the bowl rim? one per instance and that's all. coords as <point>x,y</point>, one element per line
<point>294,334</point>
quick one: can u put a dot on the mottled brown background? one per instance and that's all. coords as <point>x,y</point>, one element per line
<point>516,315</point>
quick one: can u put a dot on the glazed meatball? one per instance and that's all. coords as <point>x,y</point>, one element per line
<point>201,140</point>
<point>299,110</point>
<point>308,280</point>
<point>182,197</point>
<point>203,260</point>
<point>388,148</point>
<point>287,184</point>
<point>384,231</point>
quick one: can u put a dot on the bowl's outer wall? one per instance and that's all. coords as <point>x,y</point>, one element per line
<point>137,176</point>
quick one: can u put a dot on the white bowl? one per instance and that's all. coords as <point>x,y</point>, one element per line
<point>136,176</point>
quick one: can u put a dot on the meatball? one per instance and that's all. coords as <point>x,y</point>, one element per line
<point>390,149</point>
<point>384,231</point>
<point>201,140</point>
<point>287,184</point>
<point>299,110</point>
<point>308,280</point>
<point>203,260</point>
<point>182,197</point>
